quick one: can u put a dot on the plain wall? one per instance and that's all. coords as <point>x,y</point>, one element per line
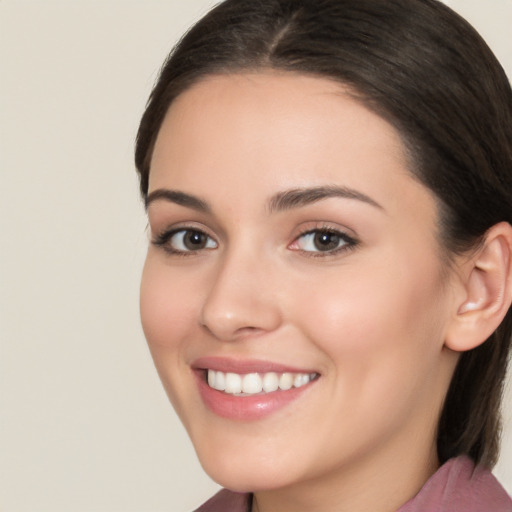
<point>84,424</point>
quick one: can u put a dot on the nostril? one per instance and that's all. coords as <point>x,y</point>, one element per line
<point>248,330</point>
<point>228,332</point>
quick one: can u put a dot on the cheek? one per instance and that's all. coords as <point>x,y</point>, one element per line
<point>381,338</point>
<point>168,314</point>
<point>377,320</point>
<point>166,305</point>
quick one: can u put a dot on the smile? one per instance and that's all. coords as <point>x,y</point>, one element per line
<point>250,389</point>
<point>256,383</point>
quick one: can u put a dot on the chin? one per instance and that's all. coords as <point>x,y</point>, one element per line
<point>250,479</point>
<point>249,469</point>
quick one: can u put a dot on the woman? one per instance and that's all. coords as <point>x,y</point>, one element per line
<point>327,290</point>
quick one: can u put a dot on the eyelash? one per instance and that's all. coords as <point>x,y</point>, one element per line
<point>163,240</point>
<point>348,243</point>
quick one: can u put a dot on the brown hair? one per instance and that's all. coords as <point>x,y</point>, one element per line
<point>427,71</point>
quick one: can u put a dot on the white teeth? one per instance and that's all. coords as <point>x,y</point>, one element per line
<point>233,383</point>
<point>300,380</point>
<point>254,383</point>
<point>270,382</point>
<point>220,380</point>
<point>286,381</point>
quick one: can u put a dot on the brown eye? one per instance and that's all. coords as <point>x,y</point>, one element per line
<point>326,240</point>
<point>187,240</point>
<point>323,241</point>
<point>194,240</point>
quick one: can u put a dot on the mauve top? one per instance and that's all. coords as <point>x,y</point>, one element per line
<point>457,486</point>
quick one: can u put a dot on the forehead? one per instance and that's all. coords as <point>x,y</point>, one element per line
<point>260,132</point>
<point>298,109</point>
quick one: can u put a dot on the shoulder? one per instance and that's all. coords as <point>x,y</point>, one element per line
<point>227,501</point>
<point>460,486</point>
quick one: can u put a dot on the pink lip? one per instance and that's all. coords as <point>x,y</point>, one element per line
<point>244,366</point>
<point>245,408</point>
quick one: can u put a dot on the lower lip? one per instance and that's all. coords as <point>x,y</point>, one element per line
<point>247,408</point>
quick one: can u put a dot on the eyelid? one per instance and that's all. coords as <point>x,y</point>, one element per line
<point>162,239</point>
<point>162,228</point>
<point>350,240</point>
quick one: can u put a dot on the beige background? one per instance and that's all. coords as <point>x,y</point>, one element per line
<point>84,424</point>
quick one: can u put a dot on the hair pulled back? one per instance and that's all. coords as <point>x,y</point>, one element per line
<point>423,68</point>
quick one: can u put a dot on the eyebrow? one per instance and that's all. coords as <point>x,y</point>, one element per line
<point>298,197</point>
<point>181,198</point>
<point>286,200</point>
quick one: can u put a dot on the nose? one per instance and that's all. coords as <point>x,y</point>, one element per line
<point>242,299</point>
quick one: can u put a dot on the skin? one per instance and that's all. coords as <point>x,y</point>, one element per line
<point>371,319</point>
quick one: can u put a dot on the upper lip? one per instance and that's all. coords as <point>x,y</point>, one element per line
<point>243,366</point>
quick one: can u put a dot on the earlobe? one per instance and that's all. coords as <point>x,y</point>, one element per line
<point>487,286</point>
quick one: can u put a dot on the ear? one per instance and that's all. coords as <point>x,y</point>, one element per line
<point>486,291</point>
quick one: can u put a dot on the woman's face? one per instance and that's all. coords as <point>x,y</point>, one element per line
<point>290,246</point>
